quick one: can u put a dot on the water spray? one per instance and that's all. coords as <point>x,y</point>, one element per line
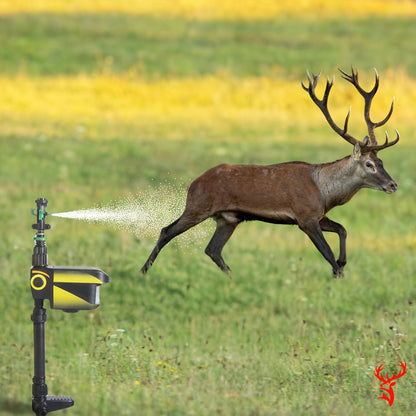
<point>67,288</point>
<point>143,214</point>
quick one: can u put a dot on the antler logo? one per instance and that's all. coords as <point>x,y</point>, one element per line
<point>390,381</point>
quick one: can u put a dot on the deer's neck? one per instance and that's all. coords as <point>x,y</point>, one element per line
<point>337,181</point>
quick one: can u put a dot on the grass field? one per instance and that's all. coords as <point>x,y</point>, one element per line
<point>102,103</point>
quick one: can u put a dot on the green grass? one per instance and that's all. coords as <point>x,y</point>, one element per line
<point>50,44</point>
<point>279,338</point>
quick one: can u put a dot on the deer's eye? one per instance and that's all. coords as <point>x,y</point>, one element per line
<point>369,164</point>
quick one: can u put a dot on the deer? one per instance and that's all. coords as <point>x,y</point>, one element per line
<point>294,193</point>
<point>390,381</point>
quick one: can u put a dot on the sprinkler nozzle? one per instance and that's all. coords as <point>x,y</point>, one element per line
<point>40,253</point>
<point>40,213</point>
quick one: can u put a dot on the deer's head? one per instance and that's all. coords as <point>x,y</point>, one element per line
<point>370,169</point>
<point>364,160</point>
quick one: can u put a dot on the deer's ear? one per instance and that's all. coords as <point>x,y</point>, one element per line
<point>356,154</point>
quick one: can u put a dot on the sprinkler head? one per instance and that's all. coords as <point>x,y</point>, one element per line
<point>40,214</point>
<point>40,253</point>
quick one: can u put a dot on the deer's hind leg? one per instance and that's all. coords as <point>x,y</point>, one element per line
<point>182,224</point>
<point>226,224</point>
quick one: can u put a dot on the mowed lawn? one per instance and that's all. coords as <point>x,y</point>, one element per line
<point>103,104</point>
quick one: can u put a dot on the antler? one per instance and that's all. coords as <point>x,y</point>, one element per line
<point>377,374</point>
<point>401,373</point>
<point>366,146</point>
<point>323,106</point>
<point>368,98</point>
<point>393,377</point>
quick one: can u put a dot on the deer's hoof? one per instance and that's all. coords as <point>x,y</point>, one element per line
<point>338,274</point>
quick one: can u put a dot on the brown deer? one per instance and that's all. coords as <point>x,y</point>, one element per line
<point>287,193</point>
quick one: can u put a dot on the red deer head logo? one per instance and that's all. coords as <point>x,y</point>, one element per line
<point>390,381</point>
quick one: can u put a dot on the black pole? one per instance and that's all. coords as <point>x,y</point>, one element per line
<point>42,404</point>
<point>39,387</point>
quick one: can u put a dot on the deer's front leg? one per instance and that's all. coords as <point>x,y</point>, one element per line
<point>314,232</point>
<point>333,227</point>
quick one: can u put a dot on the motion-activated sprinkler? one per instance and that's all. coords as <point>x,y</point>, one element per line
<point>67,288</point>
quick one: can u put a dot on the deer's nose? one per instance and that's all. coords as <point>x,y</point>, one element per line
<point>391,187</point>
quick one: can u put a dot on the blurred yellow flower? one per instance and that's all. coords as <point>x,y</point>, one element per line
<point>217,9</point>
